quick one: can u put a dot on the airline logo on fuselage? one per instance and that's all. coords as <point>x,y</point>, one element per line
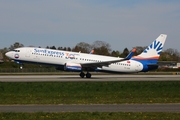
<point>156,45</point>
<point>16,56</point>
<point>68,55</point>
<point>71,55</point>
<point>49,52</point>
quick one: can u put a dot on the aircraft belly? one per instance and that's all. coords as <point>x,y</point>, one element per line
<point>114,68</point>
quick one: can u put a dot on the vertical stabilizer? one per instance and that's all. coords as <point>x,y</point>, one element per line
<point>149,57</point>
<point>154,49</point>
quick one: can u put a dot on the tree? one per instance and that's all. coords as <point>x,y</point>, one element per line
<point>101,48</point>
<point>53,47</point>
<point>68,49</point>
<point>60,48</point>
<point>164,57</point>
<point>64,48</point>
<point>115,53</point>
<point>98,44</point>
<point>1,57</point>
<point>139,49</point>
<point>16,45</point>
<point>82,47</point>
<point>3,51</point>
<point>172,54</point>
<point>125,52</point>
<point>101,51</point>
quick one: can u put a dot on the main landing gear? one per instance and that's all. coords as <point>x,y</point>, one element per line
<point>82,74</point>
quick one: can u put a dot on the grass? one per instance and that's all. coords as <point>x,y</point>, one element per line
<point>89,92</point>
<point>90,116</point>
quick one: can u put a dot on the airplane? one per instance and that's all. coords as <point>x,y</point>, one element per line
<point>80,62</point>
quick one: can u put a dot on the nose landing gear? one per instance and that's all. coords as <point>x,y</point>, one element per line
<point>21,67</point>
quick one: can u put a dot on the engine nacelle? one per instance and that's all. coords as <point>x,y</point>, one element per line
<point>72,67</point>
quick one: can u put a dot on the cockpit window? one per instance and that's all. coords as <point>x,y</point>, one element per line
<point>16,50</point>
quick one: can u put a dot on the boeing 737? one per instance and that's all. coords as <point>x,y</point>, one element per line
<point>80,62</point>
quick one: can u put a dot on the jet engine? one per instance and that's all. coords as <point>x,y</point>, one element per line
<point>72,67</point>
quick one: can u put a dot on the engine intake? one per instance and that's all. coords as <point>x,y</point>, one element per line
<point>72,67</point>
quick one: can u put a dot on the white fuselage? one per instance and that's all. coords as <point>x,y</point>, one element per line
<point>58,57</point>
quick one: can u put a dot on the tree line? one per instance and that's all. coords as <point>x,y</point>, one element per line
<point>101,48</point>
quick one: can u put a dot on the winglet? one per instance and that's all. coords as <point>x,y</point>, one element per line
<point>92,51</point>
<point>129,56</point>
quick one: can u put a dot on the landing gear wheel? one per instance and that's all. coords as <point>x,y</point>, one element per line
<point>21,67</point>
<point>82,75</point>
<point>88,75</point>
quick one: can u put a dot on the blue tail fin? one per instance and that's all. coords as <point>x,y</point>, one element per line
<point>152,52</point>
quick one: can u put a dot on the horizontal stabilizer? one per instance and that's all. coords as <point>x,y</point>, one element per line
<point>152,66</point>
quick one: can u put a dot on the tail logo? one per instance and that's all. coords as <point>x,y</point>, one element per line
<point>156,45</point>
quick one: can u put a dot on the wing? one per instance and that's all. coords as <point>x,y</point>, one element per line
<point>106,63</point>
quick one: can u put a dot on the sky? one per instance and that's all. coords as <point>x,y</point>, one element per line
<point>121,23</point>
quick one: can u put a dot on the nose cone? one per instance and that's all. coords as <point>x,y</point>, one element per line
<point>8,54</point>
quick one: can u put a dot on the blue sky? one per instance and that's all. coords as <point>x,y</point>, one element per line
<point>67,22</point>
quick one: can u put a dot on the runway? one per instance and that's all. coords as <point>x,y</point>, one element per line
<point>92,108</point>
<point>76,78</point>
